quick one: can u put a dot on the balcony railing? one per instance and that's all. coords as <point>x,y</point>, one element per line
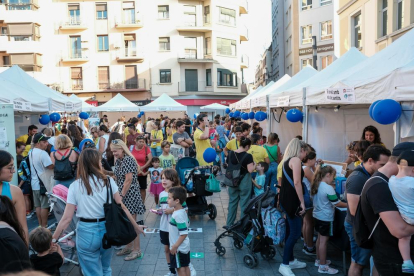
<point>128,22</point>
<point>77,84</point>
<point>244,33</point>
<point>104,85</point>
<point>75,55</point>
<point>130,52</point>
<point>74,22</point>
<point>21,5</point>
<point>195,86</point>
<point>244,61</point>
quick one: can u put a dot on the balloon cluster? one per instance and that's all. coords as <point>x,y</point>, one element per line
<point>385,112</point>
<point>258,116</point>
<point>141,114</point>
<point>294,115</point>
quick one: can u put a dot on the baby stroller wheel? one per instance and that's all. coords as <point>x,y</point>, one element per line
<point>250,261</point>
<point>220,250</point>
<point>212,211</point>
<point>238,244</point>
<point>268,254</point>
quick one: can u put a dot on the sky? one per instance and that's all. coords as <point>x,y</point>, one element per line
<point>259,23</point>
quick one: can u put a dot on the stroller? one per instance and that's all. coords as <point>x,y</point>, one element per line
<point>249,230</point>
<point>191,174</point>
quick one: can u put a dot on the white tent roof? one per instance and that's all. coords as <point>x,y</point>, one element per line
<point>325,78</point>
<point>118,103</point>
<point>260,98</point>
<point>29,85</point>
<point>215,106</point>
<point>244,103</point>
<point>85,106</point>
<point>24,100</point>
<point>164,103</point>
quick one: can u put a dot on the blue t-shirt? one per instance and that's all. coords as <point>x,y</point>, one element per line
<point>260,180</point>
<point>220,130</point>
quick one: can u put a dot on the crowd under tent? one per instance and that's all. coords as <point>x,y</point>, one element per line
<point>164,103</point>
<point>215,109</point>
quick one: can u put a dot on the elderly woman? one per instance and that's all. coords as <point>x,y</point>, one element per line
<point>103,133</point>
<point>143,155</point>
<point>95,135</point>
<point>126,173</point>
<point>65,160</point>
<point>87,196</point>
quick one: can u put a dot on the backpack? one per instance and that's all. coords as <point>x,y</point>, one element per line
<point>24,169</point>
<point>63,168</point>
<point>233,176</point>
<point>274,224</point>
<point>360,229</point>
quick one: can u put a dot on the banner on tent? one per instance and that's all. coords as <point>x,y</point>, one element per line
<point>68,106</point>
<point>23,106</point>
<point>340,95</point>
<point>283,101</point>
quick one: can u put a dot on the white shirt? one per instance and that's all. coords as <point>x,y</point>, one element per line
<point>39,160</point>
<point>324,202</point>
<point>165,219</point>
<point>89,206</point>
<point>139,127</point>
<point>402,191</point>
<point>52,141</point>
<point>178,226</point>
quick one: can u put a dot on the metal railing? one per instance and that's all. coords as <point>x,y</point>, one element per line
<point>21,5</point>
<point>195,86</point>
<point>72,21</point>
<point>130,52</point>
<point>104,85</point>
<point>77,84</point>
<point>77,54</point>
<point>136,20</point>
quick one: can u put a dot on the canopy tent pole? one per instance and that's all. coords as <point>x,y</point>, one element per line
<point>269,118</point>
<point>397,132</point>
<point>305,118</point>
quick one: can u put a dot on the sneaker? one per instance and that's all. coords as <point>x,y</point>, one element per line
<point>192,270</point>
<point>170,274</point>
<point>327,270</point>
<point>296,264</point>
<point>29,214</point>
<point>328,262</point>
<point>407,268</point>
<point>311,252</point>
<point>285,270</point>
<point>119,247</point>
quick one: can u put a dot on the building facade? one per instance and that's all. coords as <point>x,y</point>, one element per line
<point>278,47</point>
<point>371,25</point>
<point>141,49</point>
<point>264,69</point>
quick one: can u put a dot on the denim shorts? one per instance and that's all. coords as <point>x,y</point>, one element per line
<point>359,255</point>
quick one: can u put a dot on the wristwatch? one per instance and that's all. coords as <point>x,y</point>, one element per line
<point>54,240</point>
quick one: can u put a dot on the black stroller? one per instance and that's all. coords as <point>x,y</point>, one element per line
<point>197,205</point>
<point>249,230</point>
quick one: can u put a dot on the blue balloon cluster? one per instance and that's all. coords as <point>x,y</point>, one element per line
<point>251,115</point>
<point>83,115</point>
<point>294,115</point>
<point>228,110</point>
<point>44,119</point>
<point>237,114</point>
<point>260,116</point>
<point>209,155</point>
<point>385,112</point>
<point>231,115</point>
<point>245,116</point>
<point>54,117</point>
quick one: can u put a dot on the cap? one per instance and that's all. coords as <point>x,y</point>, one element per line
<point>407,156</point>
<point>404,146</point>
<point>40,137</point>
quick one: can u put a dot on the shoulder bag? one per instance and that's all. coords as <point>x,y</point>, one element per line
<point>306,195</point>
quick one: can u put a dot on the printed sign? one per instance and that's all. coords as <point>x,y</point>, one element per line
<point>283,101</point>
<point>340,95</point>
<point>23,106</point>
<point>68,106</point>
<point>196,255</point>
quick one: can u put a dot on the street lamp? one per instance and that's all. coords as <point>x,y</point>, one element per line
<point>315,52</point>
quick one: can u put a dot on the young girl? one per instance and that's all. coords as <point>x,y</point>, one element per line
<point>155,174</point>
<point>166,158</point>
<point>156,138</point>
<point>307,229</point>
<point>324,202</point>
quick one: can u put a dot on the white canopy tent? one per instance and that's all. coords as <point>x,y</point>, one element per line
<point>164,103</point>
<point>85,106</point>
<point>260,99</point>
<point>244,104</point>
<point>214,106</point>
<point>118,103</point>
<point>29,85</point>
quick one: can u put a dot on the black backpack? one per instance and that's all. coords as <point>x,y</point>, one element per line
<point>233,176</point>
<point>63,168</point>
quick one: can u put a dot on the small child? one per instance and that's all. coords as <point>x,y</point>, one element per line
<point>260,180</point>
<point>49,257</point>
<point>166,158</point>
<point>178,232</point>
<point>324,202</point>
<point>155,174</point>
<point>401,187</point>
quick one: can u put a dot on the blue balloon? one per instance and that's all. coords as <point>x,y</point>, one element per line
<point>294,115</point>
<point>139,115</point>
<point>371,109</point>
<point>83,115</point>
<point>195,115</point>
<point>231,114</point>
<point>245,116</point>
<point>44,119</point>
<point>227,110</point>
<point>251,115</point>
<point>237,113</point>
<point>82,143</point>
<point>387,112</point>
<point>209,155</point>
<point>54,117</point>
<point>260,116</point>
<point>142,113</point>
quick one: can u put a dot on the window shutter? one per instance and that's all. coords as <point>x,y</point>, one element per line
<point>103,74</point>
<point>128,5</point>
<point>73,7</point>
<point>190,43</point>
<point>162,8</point>
<point>100,7</point>
<point>76,72</point>
<point>129,37</point>
<point>23,59</point>
<point>130,72</point>
<point>20,29</point>
<point>163,40</point>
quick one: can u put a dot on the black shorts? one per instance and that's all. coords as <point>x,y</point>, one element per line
<point>142,180</point>
<point>325,228</point>
<point>180,260</point>
<point>165,238</point>
<point>26,188</point>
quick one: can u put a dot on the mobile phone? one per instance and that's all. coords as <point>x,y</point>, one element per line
<point>158,212</point>
<point>297,213</point>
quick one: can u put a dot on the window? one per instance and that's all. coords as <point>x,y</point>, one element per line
<point>226,77</point>
<point>357,36</point>
<point>306,5</point>
<point>103,44</point>
<point>128,16</point>
<point>384,18</point>
<point>208,45</point>
<point>190,47</point>
<point>326,61</point>
<point>6,60</point>
<point>163,12</point>
<point>226,47</point>
<point>164,43</point>
<point>326,30</point>
<point>306,34</point>
<point>400,14</point>
<point>76,78</point>
<point>165,76</point>
<point>227,16</point>
<point>130,45</point>
<point>101,11</point>
<point>74,14</point>
<point>190,15</point>
<point>208,77</point>
<point>3,31</point>
<point>306,62</point>
<point>131,77</point>
<point>75,47</point>
<point>207,15</point>
<point>326,2</point>
<point>103,77</point>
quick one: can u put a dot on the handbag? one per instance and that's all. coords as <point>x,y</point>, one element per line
<point>43,189</point>
<point>233,176</point>
<point>306,195</point>
<point>212,184</point>
<point>119,229</point>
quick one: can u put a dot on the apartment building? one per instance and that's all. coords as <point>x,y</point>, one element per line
<point>371,25</point>
<point>264,69</point>
<point>278,49</point>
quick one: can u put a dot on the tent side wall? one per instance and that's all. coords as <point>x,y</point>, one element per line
<point>285,129</point>
<point>407,122</point>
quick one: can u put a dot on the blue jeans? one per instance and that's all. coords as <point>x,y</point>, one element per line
<point>156,152</point>
<point>271,174</point>
<point>93,259</point>
<point>293,231</point>
<point>359,255</point>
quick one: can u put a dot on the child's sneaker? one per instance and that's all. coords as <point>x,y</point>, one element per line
<point>327,270</point>
<point>192,270</point>
<point>310,252</point>
<point>317,263</point>
<point>408,268</point>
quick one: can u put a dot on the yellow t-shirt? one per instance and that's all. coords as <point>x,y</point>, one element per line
<point>233,144</point>
<point>201,146</point>
<point>23,139</point>
<point>279,172</point>
<point>259,153</point>
<point>357,163</point>
<point>156,134</point>
<point>170,137</point>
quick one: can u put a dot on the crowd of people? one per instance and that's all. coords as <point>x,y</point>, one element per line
<point>130,155</point>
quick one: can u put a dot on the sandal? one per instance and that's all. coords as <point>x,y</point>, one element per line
<point>124,251</point>
<point>134,255</point>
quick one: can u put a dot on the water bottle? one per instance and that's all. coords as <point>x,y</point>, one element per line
<point>249,237</point>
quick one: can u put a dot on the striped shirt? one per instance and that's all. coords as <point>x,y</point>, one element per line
<point>324,202</point>
<point>179,224</point>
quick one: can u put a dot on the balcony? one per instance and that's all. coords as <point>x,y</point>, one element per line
<point>21,5</point>
<point>244,61</point>
<point>192,26</point>
<point>190,55</point>
<point>75,56</point>
<point>244,33</point>
<point>128,23</point>
<point>73,23</point>
<point>76,84</point>
<point>195,86</point>
<point>129,55</point>
<point>243,7</point>
<point>131,84</point>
